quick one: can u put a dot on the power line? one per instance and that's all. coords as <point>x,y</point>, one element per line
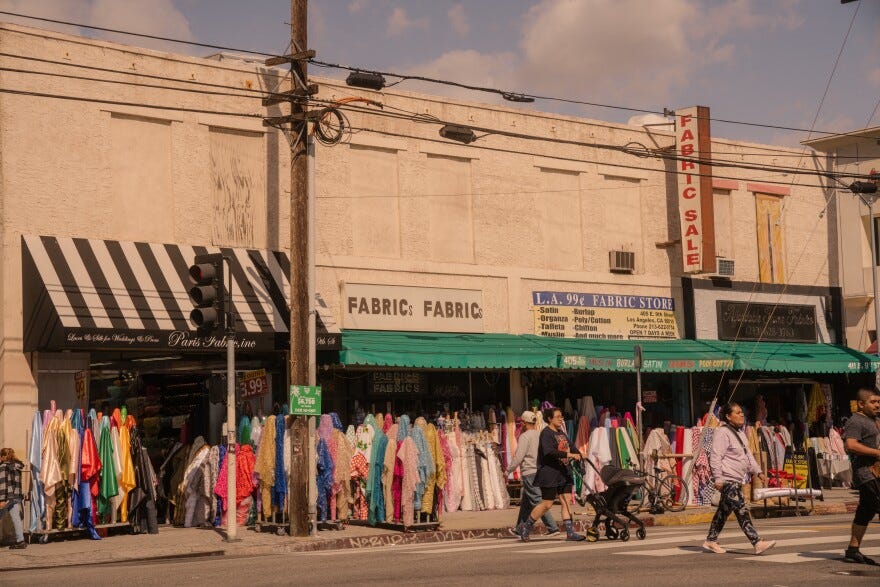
<point>121,103</point>
<point>402,76</point>
<point>624,149</point>
<point>553,98</point>
<point>133,34</point>
<point>136,74</point>
<point>127,83</point>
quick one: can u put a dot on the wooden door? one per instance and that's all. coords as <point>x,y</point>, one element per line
<point>771,251</point>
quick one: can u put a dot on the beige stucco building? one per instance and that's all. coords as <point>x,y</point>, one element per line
<point>858,154</point>
<point>116,144</point>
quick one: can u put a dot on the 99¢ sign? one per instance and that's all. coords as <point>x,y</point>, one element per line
<point>254,383</point>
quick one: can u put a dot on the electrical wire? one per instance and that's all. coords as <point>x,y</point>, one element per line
<point>500,92</point>
<point>403,76</point>
<point>121,103</point>
<point>134,34</point>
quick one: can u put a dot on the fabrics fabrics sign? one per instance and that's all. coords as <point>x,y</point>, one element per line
<point>696,214</point>
<point>419,309</point>
<point>397,383</point>
<point>305,400</point>
<point>603,316</point>
<point>253,383</point>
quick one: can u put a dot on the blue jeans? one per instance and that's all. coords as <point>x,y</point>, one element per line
<point>531,496</point>
<point>14,509</point>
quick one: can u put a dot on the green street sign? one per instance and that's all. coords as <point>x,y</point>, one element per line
<point>305,400</point>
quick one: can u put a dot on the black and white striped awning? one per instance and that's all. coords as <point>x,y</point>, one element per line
<point>87,293</point>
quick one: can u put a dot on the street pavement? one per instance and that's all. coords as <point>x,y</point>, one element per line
<point>809,552</point>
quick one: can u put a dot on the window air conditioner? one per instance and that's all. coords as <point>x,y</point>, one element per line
<point>725,267</point>
<point>622,261</point>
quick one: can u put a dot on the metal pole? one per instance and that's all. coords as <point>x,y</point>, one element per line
<point>231,530</point>
<point>870,202</point>
<point>310,286</point>
<point>639,411</point>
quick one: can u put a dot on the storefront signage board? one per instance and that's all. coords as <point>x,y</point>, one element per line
<point>603,316</point>
<point>253,383</point>
<point>766,322</point>
<point>695,198</point>
<point>305,400</point>
<point>418,309</point>
<point>397,383</point>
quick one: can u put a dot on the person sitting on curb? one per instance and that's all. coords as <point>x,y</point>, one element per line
<point>10,493</point>
<point>862,441</point>
<point>553,476</point>
<point>730,463</point>
<point>526,459</point>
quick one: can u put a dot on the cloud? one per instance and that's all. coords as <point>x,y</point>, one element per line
<point>495,70</point>
<point>399,23</point>
<point>459,20</point>
<point>357,5</point>
<point>158,17</point>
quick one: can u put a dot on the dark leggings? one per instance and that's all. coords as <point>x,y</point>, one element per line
<point>732,500</point>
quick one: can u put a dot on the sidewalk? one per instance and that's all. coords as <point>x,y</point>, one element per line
<point>205,542</point>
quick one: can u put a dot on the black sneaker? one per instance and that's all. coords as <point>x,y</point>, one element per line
<point>514,531</point>
<point>18,545</point>
<point>854,556</point>
<point>553,532</point>
<point>575,537</point>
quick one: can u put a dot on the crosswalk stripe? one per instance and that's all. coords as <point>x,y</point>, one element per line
<point>441,549</point>
<point>741,545</point>
<point>664,540</point>
<point>812,556</point>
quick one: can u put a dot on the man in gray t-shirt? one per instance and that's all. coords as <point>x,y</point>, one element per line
<point>862,440</point>
<point>526,459</point>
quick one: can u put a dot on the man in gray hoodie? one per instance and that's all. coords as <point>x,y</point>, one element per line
<point>526,459</point>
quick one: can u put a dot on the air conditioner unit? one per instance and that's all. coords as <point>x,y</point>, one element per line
<point>725,267</point>
<point>622,261</point>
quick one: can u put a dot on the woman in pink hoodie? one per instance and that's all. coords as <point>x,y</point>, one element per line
<point>730,463</point>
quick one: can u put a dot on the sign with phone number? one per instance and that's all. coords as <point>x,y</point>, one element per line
<point>253,384</point>
<point>305,400</point>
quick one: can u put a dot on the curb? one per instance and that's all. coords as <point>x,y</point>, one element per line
<point>704,517</point>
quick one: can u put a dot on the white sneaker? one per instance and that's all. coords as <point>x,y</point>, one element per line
<point>713,547</point>
<point>764,545</point>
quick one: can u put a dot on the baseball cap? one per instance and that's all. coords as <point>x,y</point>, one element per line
<point>529,417</point>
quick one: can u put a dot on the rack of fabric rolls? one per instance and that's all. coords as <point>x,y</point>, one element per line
<point>88,476</point>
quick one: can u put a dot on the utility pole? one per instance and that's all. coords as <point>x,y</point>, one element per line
<point>300,304</point>
<point>302,490</point>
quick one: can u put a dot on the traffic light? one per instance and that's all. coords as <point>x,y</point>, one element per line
<point>207,295</point>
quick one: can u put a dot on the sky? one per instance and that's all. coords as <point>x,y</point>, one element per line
<point>747,60</point>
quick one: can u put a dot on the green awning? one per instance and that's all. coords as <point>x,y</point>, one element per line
<point>439,350</point>
<point>658,356</point>
<point>792,357</point>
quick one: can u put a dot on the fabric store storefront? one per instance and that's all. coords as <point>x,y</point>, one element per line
<point>106,324</point>
<point>790,366</point>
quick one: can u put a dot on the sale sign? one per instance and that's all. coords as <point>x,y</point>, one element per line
<point>695,196</point>
<point>253,383</point>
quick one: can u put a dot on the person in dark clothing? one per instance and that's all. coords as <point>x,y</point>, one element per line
<point>861,438</point>
<point>553,476</point>
<point>10,493</point>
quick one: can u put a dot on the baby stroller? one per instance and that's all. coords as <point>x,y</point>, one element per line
<point>610,505</point>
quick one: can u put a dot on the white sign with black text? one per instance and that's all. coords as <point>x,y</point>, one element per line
<point>419,309</point>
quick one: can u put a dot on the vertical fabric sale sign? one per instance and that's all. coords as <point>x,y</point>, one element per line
<point>696,213</point>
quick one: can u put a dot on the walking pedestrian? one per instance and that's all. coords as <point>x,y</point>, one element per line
<point>553,476</point>
<point>526,459</point>
<point>861,438</point>
<point>730,464</point>
<point>11,495</point>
